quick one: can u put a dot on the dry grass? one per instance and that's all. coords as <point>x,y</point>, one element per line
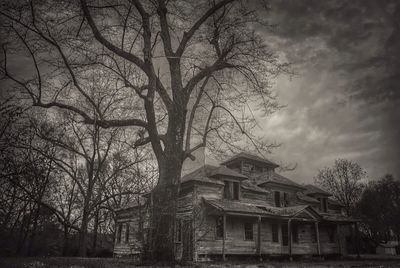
<point>125,263</point>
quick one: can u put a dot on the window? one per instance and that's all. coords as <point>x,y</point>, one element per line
<point>235,190</point>
<point>275,234</point>
<point>285,199</point>
<point>313,234</point>
<point>331,233</point>
<point>248,231</point>
<point>127,233</point>
<point>295,233</point>
<point>231,190</point>
<point>119,233</point>
<point>219,228</point>
<point>285,238</point>
<point>277,198</point>
<point>178,233</point>
<point>324,205</point>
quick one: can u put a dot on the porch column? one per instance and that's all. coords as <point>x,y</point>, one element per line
<point>259,236</point>
<point>317,234</point>
<point>290,237</point>
<point>224,236</point>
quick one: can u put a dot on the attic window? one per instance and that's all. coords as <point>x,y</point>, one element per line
<point>277,198</point>
<point>323,204</point>
<point>231,190</point>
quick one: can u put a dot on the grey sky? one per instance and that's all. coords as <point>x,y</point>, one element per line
<point>344,101</point>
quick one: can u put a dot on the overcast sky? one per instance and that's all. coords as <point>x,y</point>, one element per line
<point>344,101</point>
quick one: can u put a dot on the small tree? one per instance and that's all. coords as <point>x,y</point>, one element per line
<point>344,181</point>
<point>379,209</point>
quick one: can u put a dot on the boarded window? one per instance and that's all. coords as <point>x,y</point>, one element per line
<point>127,233</point>
<point>285,238</point>
<point>248,231</point>
<point>119,233</point>
<point>275,234</point>
<point>295,233</point>
<point>219,228</point>
<point>277,198</point>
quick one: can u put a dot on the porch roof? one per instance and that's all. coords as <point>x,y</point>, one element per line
<point>338,218</point>
<point>255,207</point>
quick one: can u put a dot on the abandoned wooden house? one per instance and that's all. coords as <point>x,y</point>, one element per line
<point>243,207</point>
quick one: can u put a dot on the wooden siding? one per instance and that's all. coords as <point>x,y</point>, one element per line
<point>236,244</point>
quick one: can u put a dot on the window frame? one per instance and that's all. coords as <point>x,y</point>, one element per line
<point>275,232</point>
<point>127,230</point>
<point>295,233</point>
<point>277,199</point>
<point>251,229</point>
<point>119,233</point>
<point>178,231</point>
<point>285,235</point>
<point>219,227</point>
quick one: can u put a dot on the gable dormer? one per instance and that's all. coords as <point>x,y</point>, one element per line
<point>250,165</point>
<point>318,194</point>
<point>232,182</point>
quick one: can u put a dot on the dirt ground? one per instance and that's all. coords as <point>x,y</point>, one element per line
<point>366,261</point>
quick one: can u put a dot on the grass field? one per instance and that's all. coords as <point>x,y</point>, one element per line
<point>125,263</point>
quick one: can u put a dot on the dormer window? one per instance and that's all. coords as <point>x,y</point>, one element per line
<point>231,190</point>
<point>277,198</point>
<point>323,204</point>
<point>281,202</point>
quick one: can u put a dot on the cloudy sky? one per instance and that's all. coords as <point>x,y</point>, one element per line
<point>344,101</point>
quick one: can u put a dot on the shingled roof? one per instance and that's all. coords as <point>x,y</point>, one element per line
<point>301,196</point>
<point>337,217</point>
<point>312,189</point>
<point>277,178</point>
<point>247,185</point>
<point>207,174</point>
<point>251,157</point>
<point>249,206</point>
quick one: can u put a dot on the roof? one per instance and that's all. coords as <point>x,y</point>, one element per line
<point>251,157</point>
<point>202,175</point>
<point>312,189</point>
<point>301,196</point>
<point>248,185</point>
<point>249,206</point>
<point>337,217</point>
<point>277,178</point>
<point>334,202</point>
<point>222,170</point>
<point>207,173</point>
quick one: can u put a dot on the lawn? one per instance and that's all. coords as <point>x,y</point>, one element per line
<point>125,263</point>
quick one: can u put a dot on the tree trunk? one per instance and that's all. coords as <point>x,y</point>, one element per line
<point>65,242</point>
<point>164,209</point>
<point>95,232</point>
<point>83,233</point>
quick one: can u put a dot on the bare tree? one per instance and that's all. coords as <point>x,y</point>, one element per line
<point>182,73</point>
<point>345,181</point>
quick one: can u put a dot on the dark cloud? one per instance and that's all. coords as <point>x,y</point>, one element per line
<point>344,101</point>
